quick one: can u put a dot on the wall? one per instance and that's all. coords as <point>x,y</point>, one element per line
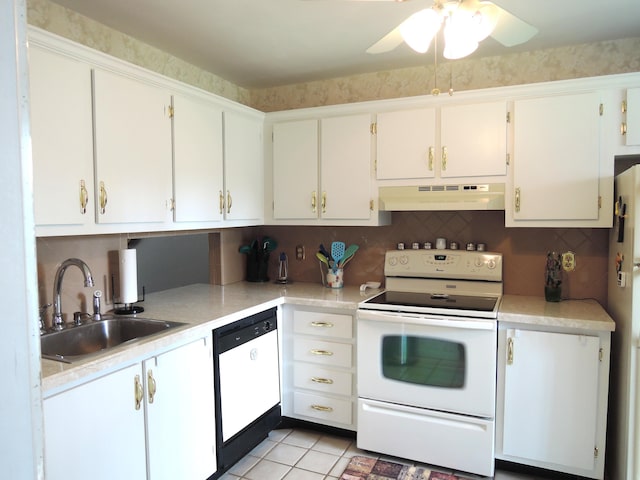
<point>524,249</point>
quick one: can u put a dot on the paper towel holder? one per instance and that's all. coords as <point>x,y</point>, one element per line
<point>127,308</point>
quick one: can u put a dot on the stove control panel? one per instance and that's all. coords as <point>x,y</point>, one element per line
<point>456,264</point>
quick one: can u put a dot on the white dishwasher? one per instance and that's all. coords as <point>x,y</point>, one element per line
<point>247,383</point>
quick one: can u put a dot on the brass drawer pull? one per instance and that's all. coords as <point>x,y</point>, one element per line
<point>322,324</point>
<point>326,381</point>
<point>322,408</point>
<point>138,392</point>
<point>321,352</point>
<point>151,386</point>
<point>509,351</point>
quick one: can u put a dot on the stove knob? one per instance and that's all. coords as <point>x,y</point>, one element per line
<point>404,260</point>
<point>393,261</point>
<point>479,261</point>
<point>491,263</point>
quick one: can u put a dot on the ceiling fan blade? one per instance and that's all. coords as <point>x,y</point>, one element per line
<point>387,43</point>
<point>511,30</point>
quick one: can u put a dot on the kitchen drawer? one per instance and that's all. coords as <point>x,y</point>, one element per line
<point>314,377</point>
<point>323,353</point>
<point>324,408</point>
<point>323,324</point>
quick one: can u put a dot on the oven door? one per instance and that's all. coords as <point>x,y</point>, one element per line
<point>440,363</point>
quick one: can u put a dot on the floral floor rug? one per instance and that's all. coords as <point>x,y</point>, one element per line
<point>366,468</point>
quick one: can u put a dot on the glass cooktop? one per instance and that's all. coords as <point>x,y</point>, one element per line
<point>418,301</point>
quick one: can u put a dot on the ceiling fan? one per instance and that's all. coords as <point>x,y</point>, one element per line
<point>465,23</point>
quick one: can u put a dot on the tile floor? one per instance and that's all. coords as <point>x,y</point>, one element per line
<point>297,454</point>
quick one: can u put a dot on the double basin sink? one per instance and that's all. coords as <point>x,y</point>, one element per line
<point>79,342</point>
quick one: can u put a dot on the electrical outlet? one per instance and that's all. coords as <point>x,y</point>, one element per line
<point>300,253</point>
<point>569,261</point>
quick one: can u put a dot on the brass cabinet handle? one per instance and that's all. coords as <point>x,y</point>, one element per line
<point>137,391</point>
<point>623,128</point>
<point>326,353</point>
<point>103,198</point>
<point>324,202</point>
<point>151,386</point>
<point>322,324</point>
<point>509,351</point>
<point>444,158</point>
<point>431,155</point>
<point>322,408</point>
<point>221,199</point>
<point>325,381</point>
<point>84,197</point>
<point>229,201</point>
<point>517,202</point>
<point>314,201</point>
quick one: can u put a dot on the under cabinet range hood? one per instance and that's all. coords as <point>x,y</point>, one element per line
<point>442,197</point>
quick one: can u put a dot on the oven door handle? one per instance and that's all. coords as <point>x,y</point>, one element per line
<point>430,321</point>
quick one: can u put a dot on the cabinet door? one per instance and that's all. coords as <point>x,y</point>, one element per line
<point>295,170</point>
<point>406,142</point>
<point>243,167</point>
<point>551,392</point>
<point>345,167</point>
<point>62,139</point>
<point>180,413</point>
<point>133,150</point>
<point>632,137</point>
<point>95,430</point>
<point>473,140</point>
<point>556,169</point>
<point>197,168</point>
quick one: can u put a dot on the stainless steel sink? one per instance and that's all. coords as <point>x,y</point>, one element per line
<point>76,343</point>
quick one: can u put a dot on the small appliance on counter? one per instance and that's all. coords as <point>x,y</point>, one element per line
<point>283,269</point>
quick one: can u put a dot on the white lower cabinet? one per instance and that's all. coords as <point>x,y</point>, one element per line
<point>319,366</point>
<point>552,399</point>
<point>151,420</point>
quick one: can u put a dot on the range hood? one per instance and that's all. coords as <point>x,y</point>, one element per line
<point>442,197</point>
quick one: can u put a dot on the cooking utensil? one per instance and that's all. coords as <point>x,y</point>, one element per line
<point>348,253</point>
<point>322,258</point>
<point>337,251</point>
<point>324,251</point>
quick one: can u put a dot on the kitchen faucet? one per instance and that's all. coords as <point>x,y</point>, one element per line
<point>58,322</point>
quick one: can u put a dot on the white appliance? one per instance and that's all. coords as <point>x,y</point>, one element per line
<point>427,351</point>
<point>624,306</point>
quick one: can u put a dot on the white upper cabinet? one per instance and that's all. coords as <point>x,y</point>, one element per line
<point>473,140</point>
<point>345,168</point>
<point>295,170</point>
<point>631,109</point>
<point>450,142</point>
<point>62,139</point>
<point>243,167</point>
<point>198,160</point>
<point>406,143</point>
<point>556,162</point>
<point>322,170</point>
<point>132,150</point>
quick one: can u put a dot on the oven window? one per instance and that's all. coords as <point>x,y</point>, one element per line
<point>423,360</point>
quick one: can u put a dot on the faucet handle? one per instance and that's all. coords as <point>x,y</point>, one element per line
<point>43,309</point>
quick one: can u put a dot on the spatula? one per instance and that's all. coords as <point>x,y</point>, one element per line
<point>348,253</point>
<point>337,252</point>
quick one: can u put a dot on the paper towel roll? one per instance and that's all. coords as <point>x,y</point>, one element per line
<point>128,276</point>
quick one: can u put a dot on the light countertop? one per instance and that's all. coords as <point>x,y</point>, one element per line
<point>577,314</point>
<point>205,307</point>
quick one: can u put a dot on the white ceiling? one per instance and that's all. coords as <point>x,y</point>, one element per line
<point>263,43</point>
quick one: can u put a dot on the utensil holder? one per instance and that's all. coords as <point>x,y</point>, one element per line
<point>335,278</point>
<point>257,267</point>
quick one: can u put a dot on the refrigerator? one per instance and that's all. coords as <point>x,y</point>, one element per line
<point>623,448</point>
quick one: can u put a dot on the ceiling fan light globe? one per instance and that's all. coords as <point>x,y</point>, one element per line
<point>459,35</point>
<point>419,29</point>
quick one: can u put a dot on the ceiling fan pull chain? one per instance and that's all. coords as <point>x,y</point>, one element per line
<point>436,90</point>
